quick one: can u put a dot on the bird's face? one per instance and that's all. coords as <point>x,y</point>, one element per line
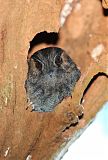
<point>51,77</point>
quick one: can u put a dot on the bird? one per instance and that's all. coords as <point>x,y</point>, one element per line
<point>51,77</point>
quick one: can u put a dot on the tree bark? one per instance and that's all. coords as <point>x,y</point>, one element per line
<point>26,135</point>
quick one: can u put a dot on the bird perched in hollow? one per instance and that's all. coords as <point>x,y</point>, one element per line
<point>51,77</point>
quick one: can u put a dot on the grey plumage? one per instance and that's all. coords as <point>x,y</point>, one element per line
<point>51,76</point>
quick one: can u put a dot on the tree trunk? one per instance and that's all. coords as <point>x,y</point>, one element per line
<point>26,135</point>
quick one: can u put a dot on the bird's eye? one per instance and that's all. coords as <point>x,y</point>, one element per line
<point>58,60</point>
<point>38,65</point>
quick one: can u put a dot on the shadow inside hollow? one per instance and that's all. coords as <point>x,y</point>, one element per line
<point>105,12</point>
<point>44,37</point>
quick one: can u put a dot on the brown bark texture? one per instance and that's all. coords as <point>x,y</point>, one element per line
<point>26,135</point>
<point>105,3</point>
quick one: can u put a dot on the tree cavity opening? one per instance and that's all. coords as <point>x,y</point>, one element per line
<point>94,79</point>
<point>42,40</point>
